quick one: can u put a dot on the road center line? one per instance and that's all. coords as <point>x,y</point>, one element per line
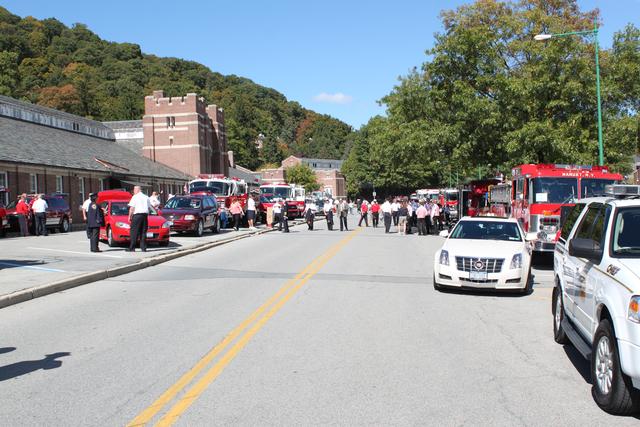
<point>288,290</point>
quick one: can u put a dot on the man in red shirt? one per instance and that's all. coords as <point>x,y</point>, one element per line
<point>375,212</point>
<point>364,210</point>
<point>22,212</point>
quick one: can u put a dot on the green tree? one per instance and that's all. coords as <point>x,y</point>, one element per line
<point>302,175</point>
<point>8,72</point>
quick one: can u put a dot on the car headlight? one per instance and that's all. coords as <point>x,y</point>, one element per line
<point>634,309</point>
<point>516,261</point>
<point>167,224</point>
<point>444,257</point>
<point>122,225</point>
<point>189,217</point>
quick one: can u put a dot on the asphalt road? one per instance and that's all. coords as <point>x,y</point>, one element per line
<point>354,335</point>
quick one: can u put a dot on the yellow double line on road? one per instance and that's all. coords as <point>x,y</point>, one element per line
<point>254,323</point>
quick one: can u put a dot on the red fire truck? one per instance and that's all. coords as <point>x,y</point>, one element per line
<point>225,189</point>
<point>542,194</point>
<point>474,197</point>
<point>280,190</point>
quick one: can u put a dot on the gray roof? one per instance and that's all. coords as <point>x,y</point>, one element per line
<point>323,163</point>
<point>124,124</point>
<point>26,142</point>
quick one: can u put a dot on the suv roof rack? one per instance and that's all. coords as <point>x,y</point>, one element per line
<point>622,191</point>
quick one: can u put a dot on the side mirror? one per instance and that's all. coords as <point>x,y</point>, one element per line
<point>585,248</point>
<point>444,233</point>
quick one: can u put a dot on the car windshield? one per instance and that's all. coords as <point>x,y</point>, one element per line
<point>215,187</point>
<point>555,190</point>
<point>626,239</point>
<point>119,208</point>
<point>590,187</point>
<point>452,196</point>
<point>487,230</point>
<point>276,191</point>
<point>183,203</point>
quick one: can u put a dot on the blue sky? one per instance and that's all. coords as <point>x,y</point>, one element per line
<point>335,57</point>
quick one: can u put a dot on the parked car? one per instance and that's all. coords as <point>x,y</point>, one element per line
<point>464,261</point>
<point>596,298</point>
<point>117,226</point>
<point>192,213</point>
<point>59,216</point>
<point>4,222</point>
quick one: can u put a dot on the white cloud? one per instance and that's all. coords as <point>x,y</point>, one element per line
<point>333,98</point>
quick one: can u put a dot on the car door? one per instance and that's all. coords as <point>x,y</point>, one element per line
<point>592,226</point>
<point>563,264</point>
<point>206,211</point>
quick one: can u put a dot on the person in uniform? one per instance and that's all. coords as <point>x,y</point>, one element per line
<point>277,213</point>
<point>284,217</point>
<point>310,214</point>
<point>95,220</point>
<point>138,218</point>
<point>39,207</point>
<point>328,213</point>
<point>344,212</point>
<point>22,211</point>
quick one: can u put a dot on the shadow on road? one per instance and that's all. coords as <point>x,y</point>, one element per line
<point>6,349</point>
<point>542,260</point>
<point>580,363</point>
<point>26,367</point>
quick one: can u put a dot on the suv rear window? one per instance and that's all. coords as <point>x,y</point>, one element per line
<point>570,221</point>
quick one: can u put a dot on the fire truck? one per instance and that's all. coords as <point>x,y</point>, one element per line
<point>500,199</point>
<point>542,195</point>
<point>295,195</point>
<point>473,198</point>
<point>451,199</point>
<point>225,189</point>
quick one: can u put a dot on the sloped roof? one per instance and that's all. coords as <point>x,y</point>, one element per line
<point>26,142</point>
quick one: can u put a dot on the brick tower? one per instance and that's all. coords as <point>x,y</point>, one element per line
<point>185,134</point>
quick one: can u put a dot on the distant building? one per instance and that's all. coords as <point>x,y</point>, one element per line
<point>327,173</point>
<point>46,151</point>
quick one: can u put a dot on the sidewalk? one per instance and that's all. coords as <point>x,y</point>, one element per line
<point>35,266</point>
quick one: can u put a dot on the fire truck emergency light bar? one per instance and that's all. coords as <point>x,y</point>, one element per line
<point>622,190</point>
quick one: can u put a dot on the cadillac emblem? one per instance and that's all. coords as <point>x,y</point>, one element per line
<point>478,265</point>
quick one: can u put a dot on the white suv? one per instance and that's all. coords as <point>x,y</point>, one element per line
<point>596,299</point>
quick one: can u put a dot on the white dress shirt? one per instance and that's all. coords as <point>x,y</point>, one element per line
<point>251,204</point>
<point>386,207</point>
<point>39,206</point>
<point>140,203</point>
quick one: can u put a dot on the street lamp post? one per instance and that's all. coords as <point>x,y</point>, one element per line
<point>594,33</point>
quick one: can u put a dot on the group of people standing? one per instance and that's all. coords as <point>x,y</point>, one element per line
<point>39,208</point>
<point>424,215</point>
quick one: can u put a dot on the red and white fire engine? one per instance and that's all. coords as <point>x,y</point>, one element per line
<point>542,194</point>
<point>225,189</point>
<point>474,197</point>
<point>293,194</point>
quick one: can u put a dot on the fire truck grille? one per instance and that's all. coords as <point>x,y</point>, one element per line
<point>488,265</point>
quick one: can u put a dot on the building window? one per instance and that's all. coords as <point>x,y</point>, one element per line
<point>102,184</point>
<point>170,141</point>
<point>76,126</point>
<point>173,121</point>
<point>4,184</point>
<point>168,121</point>
<point>59,185</point>
<point>81,187</point>
<point>33,183</point>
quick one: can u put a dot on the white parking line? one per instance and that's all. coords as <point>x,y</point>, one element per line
<point>31,267</point>
<point>74,252</point>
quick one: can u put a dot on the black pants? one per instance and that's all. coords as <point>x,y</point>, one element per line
<point>376,218</point>
<point>284,224</point>
<point>236,221</point>
<point>94,235</point>
<point>343,222</point>
<point>330,221</point>
<point>41,224</point>
<point>395,218</point>
<point>139,231</point>
<point>22,222</point>
<point>428,224</point>
<point>277,219</point>
<point>387,222</point>
<point>422,226</point>
<point>364,216</point>
<point>310,219</point>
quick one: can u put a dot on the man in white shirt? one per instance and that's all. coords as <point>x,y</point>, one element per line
<point>85,207</point>
<point>277,212</point>
<point>251,211</point>
<point>154,200</point>
<point>138,219</point>
<point>435,216</point>
<point>39,208</point>
<point>395,206</point>
<point>386,209</point>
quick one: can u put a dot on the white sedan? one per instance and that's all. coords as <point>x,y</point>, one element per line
<point>484,253</point>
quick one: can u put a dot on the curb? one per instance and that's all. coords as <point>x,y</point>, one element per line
<point>86,278</point>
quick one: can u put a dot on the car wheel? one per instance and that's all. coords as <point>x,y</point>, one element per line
<point>216,226</point>
<point>110,240</point>
<point>199,229</point>
<point>528,288</point>
<point>435,284</point>
<point>64,225</point>
<point>612,389</point>
<point>558,315</point>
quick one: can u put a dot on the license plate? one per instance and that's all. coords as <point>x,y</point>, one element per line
<point>149,234</point>
<point>478,275</point>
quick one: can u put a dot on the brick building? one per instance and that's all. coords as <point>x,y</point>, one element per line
<point>44,151</point>
<point>327,173</point>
